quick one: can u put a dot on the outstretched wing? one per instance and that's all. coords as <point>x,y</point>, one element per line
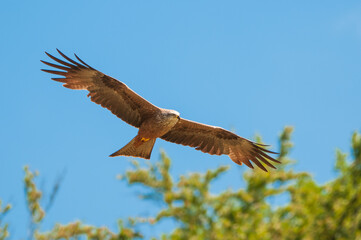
<point>104,90</point>
<point>216,140</point>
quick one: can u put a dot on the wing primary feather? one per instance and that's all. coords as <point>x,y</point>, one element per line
<point>103,90</point>
<point>265,150</point>
<point>269,151</point>
<point>55,65</point>
<point>83,62</point>
<point>63,80</point>
<point>264,160</point>
<point>248,163</point>
<point>255,160</point>
<point>60,61</point>
<point>69,59</point>
<point>54,72</point>
<point>260,144</point>
<point>267,157</point>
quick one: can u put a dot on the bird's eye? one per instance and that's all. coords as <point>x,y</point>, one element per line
<point>178,117</point>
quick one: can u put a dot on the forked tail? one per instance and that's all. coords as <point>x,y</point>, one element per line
<point>136,148</point>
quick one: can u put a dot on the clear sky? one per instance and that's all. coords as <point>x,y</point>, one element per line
<point>252,67</point>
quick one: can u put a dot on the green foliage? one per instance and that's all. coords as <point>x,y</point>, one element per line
<point>74,230</point>
<point>310,211</point>
<point>78,229</point>
<point>33,196</point>
<point>4,227</point>
<point>329,211</point>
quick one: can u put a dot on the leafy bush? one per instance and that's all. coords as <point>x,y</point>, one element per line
<point>328,211</point>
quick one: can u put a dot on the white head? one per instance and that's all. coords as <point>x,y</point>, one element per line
<point>173,114</point>
<point>167,119</point>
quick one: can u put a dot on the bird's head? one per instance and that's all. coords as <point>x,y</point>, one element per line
<point>174,114</point>
<point>169,117</point>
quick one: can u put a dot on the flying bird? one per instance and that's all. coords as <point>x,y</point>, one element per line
<point>154,122</point>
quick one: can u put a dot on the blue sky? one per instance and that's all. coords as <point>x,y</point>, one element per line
<point>252,67</point>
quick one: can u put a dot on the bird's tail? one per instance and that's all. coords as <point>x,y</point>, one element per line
<point>136,148</point>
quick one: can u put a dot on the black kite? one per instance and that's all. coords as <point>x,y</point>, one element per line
<point>154,122</point>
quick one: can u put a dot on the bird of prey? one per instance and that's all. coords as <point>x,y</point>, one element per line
<point>154,122</point>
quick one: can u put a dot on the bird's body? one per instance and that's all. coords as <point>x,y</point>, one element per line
<point>153,127</point>
<point>158,124</point>
<point>154,122</point>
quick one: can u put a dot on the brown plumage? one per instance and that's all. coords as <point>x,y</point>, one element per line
<point>154,122</point>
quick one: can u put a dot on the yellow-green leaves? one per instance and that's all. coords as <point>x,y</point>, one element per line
<point>77,230</point>
<point>4,233</point>
<point>311,211</point>
<point>308,210</point>
<point>33,196</point>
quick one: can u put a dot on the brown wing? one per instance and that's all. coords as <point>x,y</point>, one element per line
<point>104,90</point>
<point>215,140</point>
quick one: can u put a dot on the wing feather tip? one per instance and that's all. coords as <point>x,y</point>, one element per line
<point>49,55</point>
<point>62,80</point>
<point>82,61</point>
<point>273,167</point>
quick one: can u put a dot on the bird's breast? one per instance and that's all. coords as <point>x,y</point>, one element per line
<point>156,127</point>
